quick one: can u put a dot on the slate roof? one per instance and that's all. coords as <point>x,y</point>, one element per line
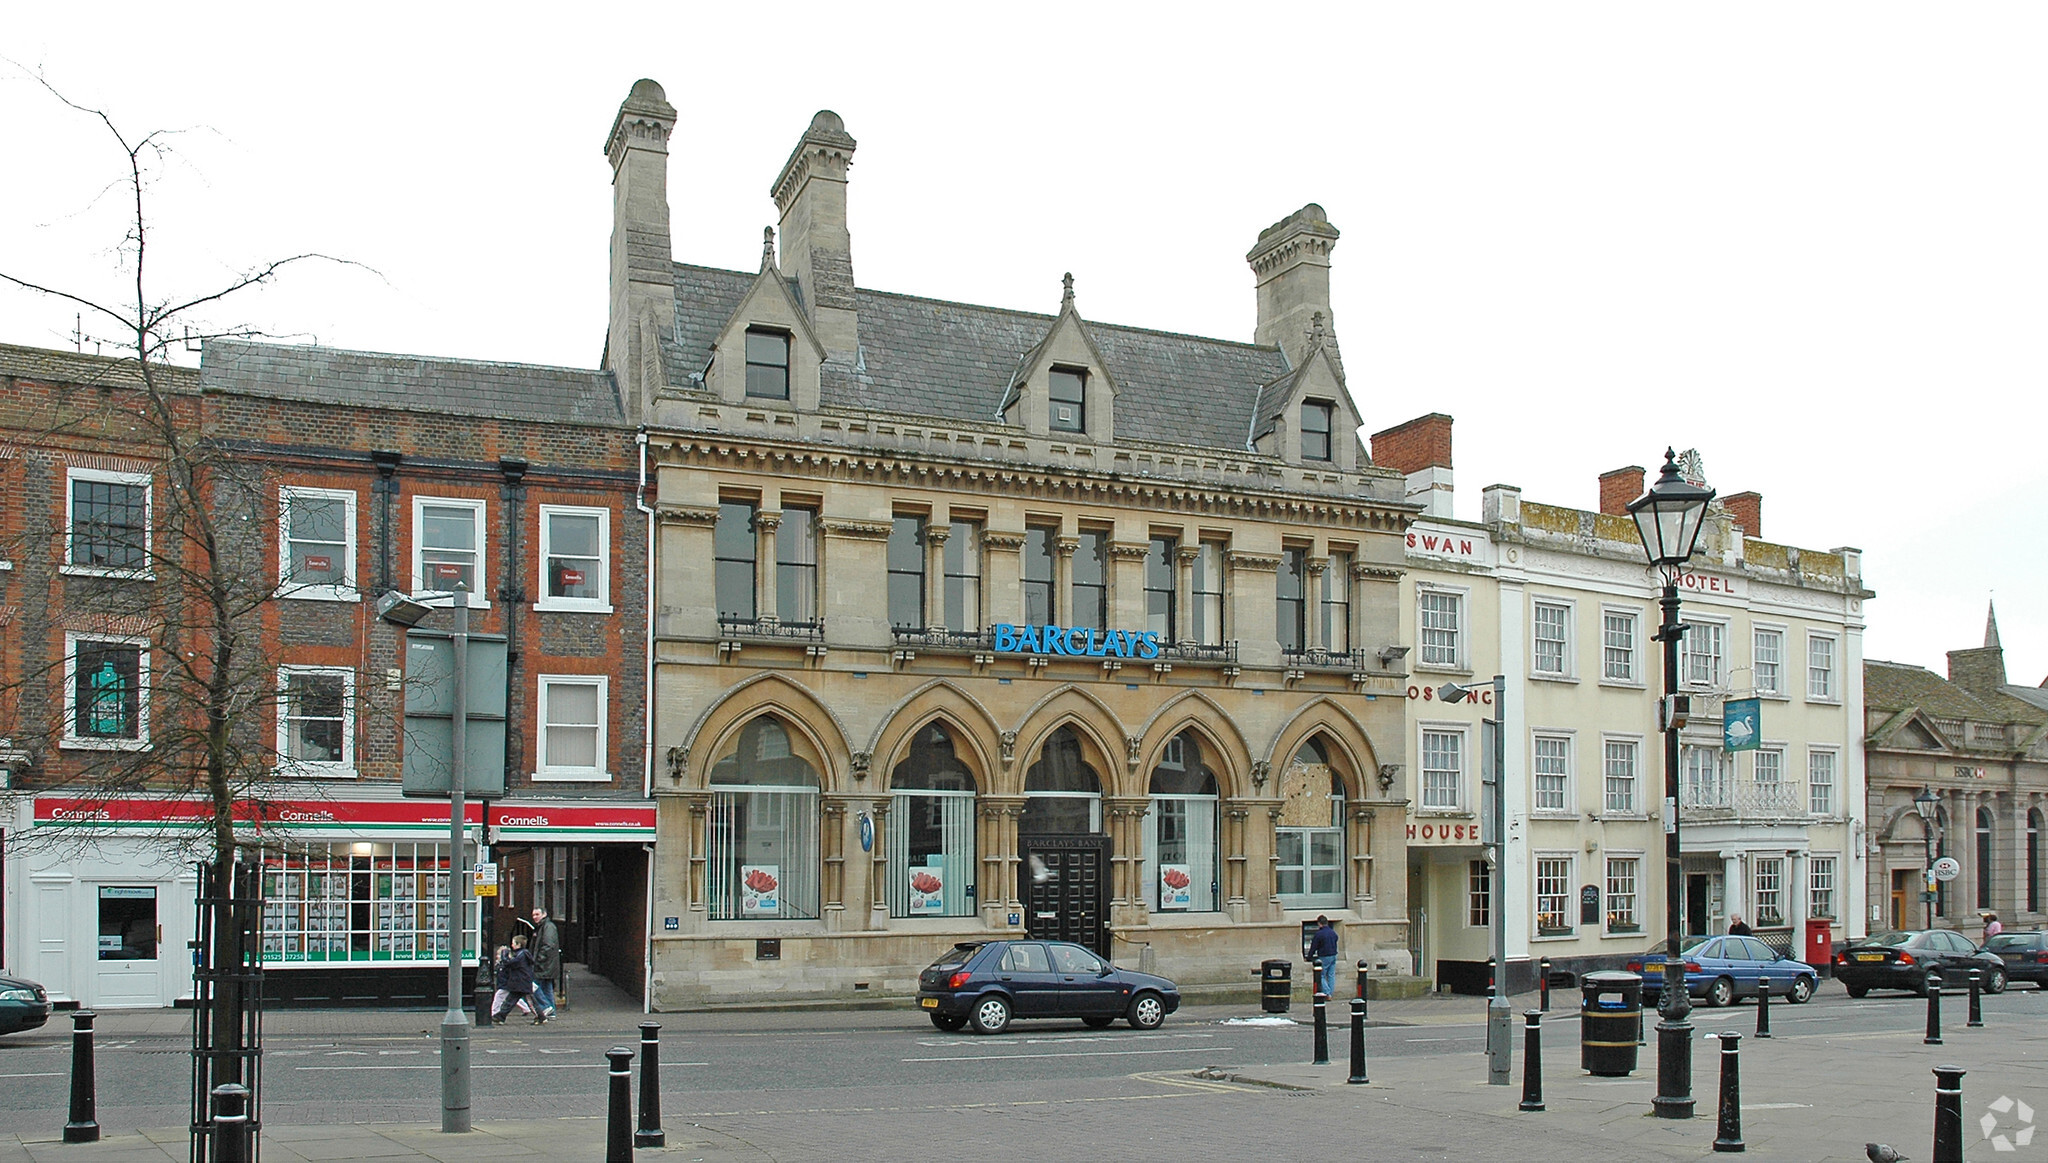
<point>953,361</point>
<point>327,375</point>
<point>1897,686</point>
<point>63,367</point>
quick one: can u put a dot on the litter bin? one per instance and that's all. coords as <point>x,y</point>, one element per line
<point>1610,1016</point>
<point>1276,985</point>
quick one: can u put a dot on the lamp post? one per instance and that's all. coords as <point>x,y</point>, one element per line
<point>1668,519</point>
<point>1926,804</point>
<point>1500,1018</point>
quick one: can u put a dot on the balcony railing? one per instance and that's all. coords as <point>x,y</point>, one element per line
<point>1319,659</point>
<point>1221,652</point>
<point>937,638</point>
<point>729,627</point>
<point>1745,799</point>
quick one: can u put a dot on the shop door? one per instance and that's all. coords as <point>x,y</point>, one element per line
<point>1903,880</point>
<point>1699,904</point>
<point>129,970</point>
<point>1064,881</point>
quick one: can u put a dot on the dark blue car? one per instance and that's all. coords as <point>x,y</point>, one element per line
<point>23,1004</point>
<point>1720,969</point>
<point>988,984</point>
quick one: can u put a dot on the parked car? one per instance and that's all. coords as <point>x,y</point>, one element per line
<point>2025,956</point>
<point>1901,958</point>
<point>1720,969</point>
<point>987,984</point>
<point>23,1004</point>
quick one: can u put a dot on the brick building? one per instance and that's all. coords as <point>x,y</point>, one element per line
<point>355,475</point>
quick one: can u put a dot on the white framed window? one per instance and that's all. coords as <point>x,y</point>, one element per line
<point>1553,896</point>
<point>1619,646</point>
<point>316,544</point>
<point>1443,769</point>
<point>1767,765</point>
<point>1621,770</point>
<point>1705,649</point>
<point>106,522</point>
<point>575,559</point>
<point>1551,630</point>
<point>316,721</point>
<point>1820,669</point>
<point>1820,781</point>
<point>447,548</point>
<point>1704,771</point>
<point>1624,878</point>
<point>1768,890</point>
<point>1553,771</point>
<point>572,727</point>
<point>1820,886</point>
<point>1440,627</point>
<point>1478,894</point>
<point>1767,660</point>
<point>106,693</point>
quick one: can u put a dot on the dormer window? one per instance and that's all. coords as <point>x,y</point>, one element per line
<point>767,364</point>
<point>1316,418</point>
<point>1066,397</point>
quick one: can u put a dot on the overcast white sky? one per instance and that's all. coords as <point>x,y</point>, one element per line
<point>1808,239</point>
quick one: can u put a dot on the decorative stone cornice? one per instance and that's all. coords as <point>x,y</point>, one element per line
<point>992,539</point>
<point>644,122</point>
<point>1305,234</point>
<point>685,515</point>
<point>1130,550</point>
<point>1365,569</point>
<point>825,150</point>
<point>1255,562</point>
<point>856,530</point>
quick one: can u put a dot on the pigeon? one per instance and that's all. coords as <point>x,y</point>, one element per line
<point>1882,1153</point>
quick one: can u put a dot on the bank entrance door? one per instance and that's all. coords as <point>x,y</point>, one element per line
<point>1064,882</point>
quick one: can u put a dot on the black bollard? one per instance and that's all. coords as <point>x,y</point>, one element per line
<point>1763,1006</point>
<point>1322,1041</point>
<point>230,1123</point>
<point>618,1129</point>
<point>1729,1135</point>
<point>1933,1037</point>
<point>1948,1114</point>
<point>1976,1005</point>
<point>84,1126</point>
<point>1532,1061</point>
<point>1543,987</point>
<point>650,1133</point>
<point>1357,1042</point>
<point>1361,981</point>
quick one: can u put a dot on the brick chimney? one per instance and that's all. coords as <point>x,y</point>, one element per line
<point>1420,448</point>
<point>1748,511</point>
<point>1618,487</point>
<point>817,248</point>
<point>643,277</point>
<point>1291,262</point>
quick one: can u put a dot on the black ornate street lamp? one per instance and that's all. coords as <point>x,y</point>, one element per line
<point>1927,804</point>
<point>1669,518</point>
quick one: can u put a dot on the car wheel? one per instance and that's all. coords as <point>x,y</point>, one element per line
<point>991,1014</point>
<point>1721,993</point>
<point>948,1022</point>
<point>1855,990</point>
<point>1994,981</point>
<point>1147,1011</point>
<point>1096,1022</point>
<point>1802,991</point>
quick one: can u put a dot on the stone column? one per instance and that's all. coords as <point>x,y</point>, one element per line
<point>1184,592</point>
<point>998,840</point>
<point>878,865</point>
<point>765,525</point>
<point>935,536</point>
<point>1126,815</point>
<point>1126,577</point>
<point>1063,579</point>
<point>1795,902</point>
<point>695,845</point>
<point>1734,889</point>
<point>1236,858</point>
<point>1358,843</point>
<point>832,857</point>
<point>1002,577</point>
<point>1314,570</point>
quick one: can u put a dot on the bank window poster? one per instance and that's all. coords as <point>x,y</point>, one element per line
<point>760,890</point>
<point>1176,886</point>
<point>928,888</point>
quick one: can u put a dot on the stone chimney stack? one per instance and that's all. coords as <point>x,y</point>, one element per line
<point>1748,511</point>
<point>816,246</point>
<point>1618,487</point>
<point>1421,448</point>
<point>643,277</point>
<point>1980,671</point>
<point>1292,264</point>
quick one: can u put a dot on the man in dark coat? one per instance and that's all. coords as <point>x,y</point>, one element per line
<point>515,981</point>
<point>1322,949</point>
<point>547,961</point>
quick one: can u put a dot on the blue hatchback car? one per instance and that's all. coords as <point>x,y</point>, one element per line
<point>23,1004</point>
<point>1720,969</point>
<point>986,984</point>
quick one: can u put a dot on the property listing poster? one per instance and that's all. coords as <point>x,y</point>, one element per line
<point>760,890</point>
<point>928,890</point>
<point>1175,886</point>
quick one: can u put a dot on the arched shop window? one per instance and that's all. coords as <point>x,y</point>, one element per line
<point>762,852</point>
<point>1062,794</point>
<point>1180,835</point>
<point>1983,858</point>
<point>931,830</point>
<point>1309,836</point>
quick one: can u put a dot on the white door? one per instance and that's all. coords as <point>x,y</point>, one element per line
<point>128,947</point>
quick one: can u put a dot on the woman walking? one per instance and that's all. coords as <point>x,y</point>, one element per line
<point>515,983</point>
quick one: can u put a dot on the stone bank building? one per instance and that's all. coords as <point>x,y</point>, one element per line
<point>973,622</point>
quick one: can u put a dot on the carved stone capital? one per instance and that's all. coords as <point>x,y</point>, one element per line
<point>1066,545</point>
<point>1255,562</point>
<point>767,521</point>
<point>996,539</point>
<point>857,530</point>
<point>1130,550</point>
<point>937,534</point>
<point>686,515</point>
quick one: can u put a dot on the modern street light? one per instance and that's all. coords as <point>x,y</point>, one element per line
<point>1927,803</point>
<point>1500,1017</point>
<point>455,1113</point>
<point>1668,519</point>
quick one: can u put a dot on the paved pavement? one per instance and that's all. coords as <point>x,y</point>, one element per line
<point>1816,1092</point>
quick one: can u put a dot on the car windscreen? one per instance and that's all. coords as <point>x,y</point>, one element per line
<point>955,957</point>
<point>1890,940</point>
<point>1695,949</point>
<point>2013,941</point>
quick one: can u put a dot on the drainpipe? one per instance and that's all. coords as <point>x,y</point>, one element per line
<point>647,946</point>
<point>647,726</point>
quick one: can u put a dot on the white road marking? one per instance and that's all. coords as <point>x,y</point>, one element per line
<point>1071,1054</point>
<point>49,1074</point>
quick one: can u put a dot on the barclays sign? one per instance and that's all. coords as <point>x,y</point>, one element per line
<point>1074,641</point>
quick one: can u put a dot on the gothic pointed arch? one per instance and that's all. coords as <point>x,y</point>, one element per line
<point>811,724</point>
<point>974,729</point>
<point>1228,752</point>
<point>1096,730</point>
<point>1347,745</point>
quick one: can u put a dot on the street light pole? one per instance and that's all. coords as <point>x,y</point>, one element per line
<point>1500,1017</point>
<point>1668,519</point>
<point>1926,804</point>
<point>455,1023</point>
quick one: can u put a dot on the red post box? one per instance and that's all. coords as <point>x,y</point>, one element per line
<point>1820,943</point>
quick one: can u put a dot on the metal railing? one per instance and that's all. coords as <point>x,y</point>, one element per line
<point>774,628</point>
<point>1320,659</point>
<point>940,638</point>
<point>1786,799</point>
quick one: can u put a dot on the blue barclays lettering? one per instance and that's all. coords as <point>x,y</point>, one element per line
<point>1005,636</point>
<point>1148,644</point>
<point>1098,643</point>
